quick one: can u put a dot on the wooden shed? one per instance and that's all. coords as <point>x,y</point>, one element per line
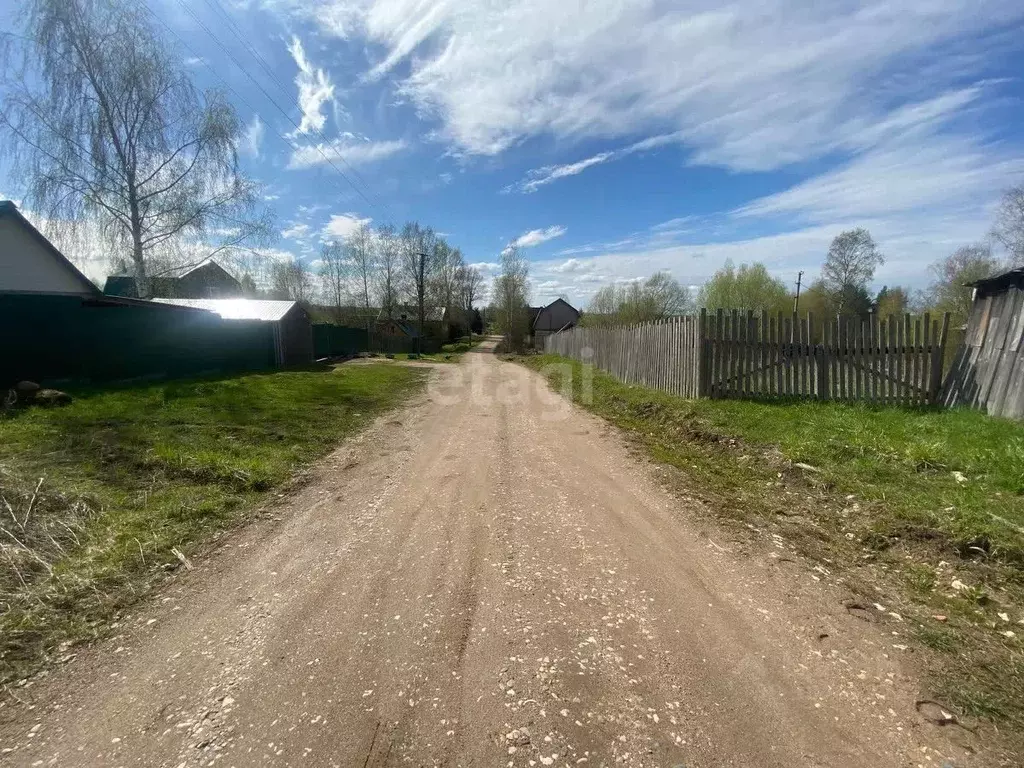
<point>988,370</point>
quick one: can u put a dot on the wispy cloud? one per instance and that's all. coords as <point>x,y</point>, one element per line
<point>252,138</point>
<point>315,90</point>
<point>752,85</point>
<point>535,237</point>
<point>352,152</point>
<point>539,177</point>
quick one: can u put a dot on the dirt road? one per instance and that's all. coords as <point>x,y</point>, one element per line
<point>486,578</point>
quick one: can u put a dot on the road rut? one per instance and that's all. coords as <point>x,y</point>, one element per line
<point>485,578</point>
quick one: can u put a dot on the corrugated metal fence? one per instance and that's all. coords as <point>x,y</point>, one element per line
<point>896,360</point>
<point>338,340</point>
<point>51,338</point>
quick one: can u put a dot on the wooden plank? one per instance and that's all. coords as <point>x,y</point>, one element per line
<point>870,378</point>
<point>922,350</point>
<point>722,355</point>
<point>901,343</point>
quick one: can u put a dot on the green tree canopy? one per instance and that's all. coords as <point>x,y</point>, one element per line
<point>748,287</point>
<point>656,298</point>
<point>948,292</point>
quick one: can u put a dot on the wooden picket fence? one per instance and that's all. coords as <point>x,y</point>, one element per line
<point>895,360</point>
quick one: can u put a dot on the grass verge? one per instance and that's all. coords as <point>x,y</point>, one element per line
<point>97,497</point>
<point>921,507</point>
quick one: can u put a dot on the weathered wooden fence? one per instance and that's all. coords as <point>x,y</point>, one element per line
<point>896,360</point>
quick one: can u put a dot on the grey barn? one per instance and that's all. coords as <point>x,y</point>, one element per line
<point>988,371</point>
<point>557,316</point>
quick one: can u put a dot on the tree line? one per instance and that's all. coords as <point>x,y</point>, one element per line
<point>119,148</point>
<point>383,270</point>
<point>842,287</point>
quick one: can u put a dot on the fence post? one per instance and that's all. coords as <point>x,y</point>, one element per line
<point>938,355</point>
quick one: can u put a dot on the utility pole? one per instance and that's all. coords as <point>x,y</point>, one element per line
<point>796,301</point>
<point>421,290</point>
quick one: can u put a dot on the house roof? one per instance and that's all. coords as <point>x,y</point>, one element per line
<point>7,208</point>
<point>535,312</point>
<point>238,309</point>
<point>1000,281</point>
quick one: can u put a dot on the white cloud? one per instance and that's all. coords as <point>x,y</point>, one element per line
<point>315,90</point>
<point>749,84</point>
<point>296,232</point>
<point>537,236</point>
<point>342,225</point>
<point>252,138</point>
<point>352,152</point>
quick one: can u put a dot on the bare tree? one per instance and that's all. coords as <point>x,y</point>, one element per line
<point>363,255</point>
<point>510,296</point>
<point>106,126</point>
<point>291,281</point>
<point>419,247</point>
<point>448,265</point>
<point>388,283</point>
<point>1008,230</point>
<point>335,272</point>
<point>471,285</point>
<point>852,260</point>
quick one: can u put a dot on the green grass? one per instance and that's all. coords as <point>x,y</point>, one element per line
<point>131,473</point>
<point>900,500</point>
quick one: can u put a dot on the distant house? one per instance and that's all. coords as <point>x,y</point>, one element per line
<point>557,316</point>
<point>988,370</point>
<point>405,321</point>
<point>293,332</point>
<point>401,325</point>
<point>31,264</point>
<point>208,280</point>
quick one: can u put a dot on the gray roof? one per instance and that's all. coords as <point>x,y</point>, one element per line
<point>238,309</point>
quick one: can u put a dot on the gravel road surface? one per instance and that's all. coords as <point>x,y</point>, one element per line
<point>485,578</point>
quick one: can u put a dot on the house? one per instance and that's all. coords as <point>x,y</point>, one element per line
<point>557,316</point>
<point>292,330</point>
<point>988,369</point>
<point>31,264</point>
<point>208,280</point>
<point>60,327</point>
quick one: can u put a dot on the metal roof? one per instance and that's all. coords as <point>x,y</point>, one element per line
<point>238,309</point>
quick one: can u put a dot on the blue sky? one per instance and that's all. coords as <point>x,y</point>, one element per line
<point>614,139</point>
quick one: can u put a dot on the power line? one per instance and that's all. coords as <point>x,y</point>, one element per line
<point>216,4</point>
<point>280,109</point>
<point>227,85</point>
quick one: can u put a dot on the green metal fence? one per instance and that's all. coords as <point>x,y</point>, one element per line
<point>338,340</point>
<point>49,338</point>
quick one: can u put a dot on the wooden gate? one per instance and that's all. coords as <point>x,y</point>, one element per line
<point>896,360</point>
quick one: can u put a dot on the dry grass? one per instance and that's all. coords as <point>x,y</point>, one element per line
<point>101,499</point>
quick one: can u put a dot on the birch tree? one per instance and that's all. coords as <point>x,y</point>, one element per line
<point>335,272</point>
<point>105,126</point>
<point>388,272</point>
<point>362,250</point>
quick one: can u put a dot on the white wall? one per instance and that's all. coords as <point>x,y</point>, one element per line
<point>26,266</point>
